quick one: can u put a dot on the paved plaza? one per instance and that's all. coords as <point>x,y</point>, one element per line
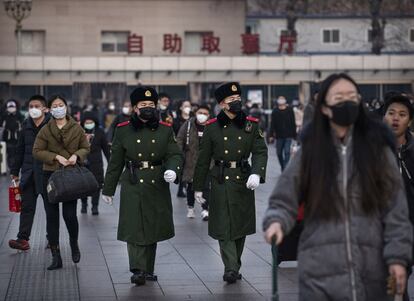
<point>188,266</point>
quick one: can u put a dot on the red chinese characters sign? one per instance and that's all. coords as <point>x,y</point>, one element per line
<point>210,43</point>
<point>250,43</point>
<point>172,43</point>
<point>135,44</point>
<point>287,42</point>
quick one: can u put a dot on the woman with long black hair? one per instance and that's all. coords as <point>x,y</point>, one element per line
<point>356,227</point>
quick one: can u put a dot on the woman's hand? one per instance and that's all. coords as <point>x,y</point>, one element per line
<point>62,160</point>
<point>72,160</point>
<point>399,273</point>
<point>275,229</point>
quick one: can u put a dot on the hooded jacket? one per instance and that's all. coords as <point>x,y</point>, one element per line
<point>345,259</point>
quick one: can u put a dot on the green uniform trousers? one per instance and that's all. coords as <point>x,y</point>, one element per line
<point>231,252</point>
<point>142,258</point>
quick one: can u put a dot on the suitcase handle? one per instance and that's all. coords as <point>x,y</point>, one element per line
<point>275,296</point>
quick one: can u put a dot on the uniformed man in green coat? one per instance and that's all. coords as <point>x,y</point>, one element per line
<point>229,140</point>
<point>145,158</point>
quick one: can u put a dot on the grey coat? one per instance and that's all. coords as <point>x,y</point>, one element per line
<point>345,260</point>
<point>189,143</point>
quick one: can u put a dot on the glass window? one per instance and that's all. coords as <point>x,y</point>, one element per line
<point>32,42</point>
<point>330,36</point>
<point>114,41</point>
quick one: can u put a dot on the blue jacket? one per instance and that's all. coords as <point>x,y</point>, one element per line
<point>31,169</point>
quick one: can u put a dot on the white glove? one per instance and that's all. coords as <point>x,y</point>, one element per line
<point>107,199</point>
<point>170,176</point>
<point>198,195</point>
<point>253,182</point>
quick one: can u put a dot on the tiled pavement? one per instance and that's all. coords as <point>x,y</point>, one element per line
<point>188,266</point>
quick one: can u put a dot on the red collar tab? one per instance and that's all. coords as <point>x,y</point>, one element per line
<point>250,118</point>
<point>165,123</point>
<point>122,124</point>
<point>211,121</point>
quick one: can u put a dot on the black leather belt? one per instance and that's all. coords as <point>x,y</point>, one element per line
<point>142,164</point>
<point>228,164</point>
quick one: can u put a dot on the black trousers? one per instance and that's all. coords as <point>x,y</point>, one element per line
<point>53,217</point>
<point>11,153</point>
<point>191,199</point>
<point>95,199</point>
<point>29,200</point>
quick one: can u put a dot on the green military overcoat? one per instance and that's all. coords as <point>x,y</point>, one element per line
<point>231,205</point>
<point>146,214</point>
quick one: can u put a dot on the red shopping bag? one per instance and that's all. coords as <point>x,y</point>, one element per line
<point>15,203</point>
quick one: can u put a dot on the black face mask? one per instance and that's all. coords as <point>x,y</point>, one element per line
<point>345,113</point>
<point>147,113</point>
<point>235,107</point>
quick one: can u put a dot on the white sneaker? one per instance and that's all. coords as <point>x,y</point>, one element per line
<point>204,215</point>
<point>190,212</point>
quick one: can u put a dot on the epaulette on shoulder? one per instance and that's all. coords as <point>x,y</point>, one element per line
<point>250,118</point>
<point>211,121</point>
<point>122,124</point>
<point>165,123</point>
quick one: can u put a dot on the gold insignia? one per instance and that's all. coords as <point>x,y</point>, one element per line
<point>248,128</point>
<point>261,133</point>
<point>148,93</point>
<point>234,88</point>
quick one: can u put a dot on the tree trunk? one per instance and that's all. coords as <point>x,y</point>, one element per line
<point>378,26</point>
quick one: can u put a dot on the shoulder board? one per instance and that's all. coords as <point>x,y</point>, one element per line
<point>122,124</point>
<point>165,123</point>
<point>250,118</point>
<point>211,121</point>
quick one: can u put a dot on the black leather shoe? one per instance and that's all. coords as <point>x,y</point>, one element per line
<point>138,278</point>
<point>76,255</point>
<point>239,276</point>
<point>230,277</point>
<point>95,210</point>
<point>151,277</point>
<point>56,259</point>
<point>181,194</point>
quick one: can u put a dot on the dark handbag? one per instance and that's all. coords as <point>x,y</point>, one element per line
<point>71,183</point>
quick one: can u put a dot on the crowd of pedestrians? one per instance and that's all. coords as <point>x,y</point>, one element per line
<point>347,170</point>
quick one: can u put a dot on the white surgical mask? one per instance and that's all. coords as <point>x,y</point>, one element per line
<point>35,113</point>
<point>89,126</point>
<point>11,109</point>
<point>281,101</point>
<point>201,118</point>
<point>163,107</point>
<point>187,110</point>
<point>125,110</point>
<point>59,112</point>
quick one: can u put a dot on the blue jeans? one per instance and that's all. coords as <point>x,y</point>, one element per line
<point>283,151</point>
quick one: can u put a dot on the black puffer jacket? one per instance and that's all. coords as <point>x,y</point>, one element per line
<point>24,160</point>
<point>283,124</point>
<point>99,144</point>
<point>12,124</point>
